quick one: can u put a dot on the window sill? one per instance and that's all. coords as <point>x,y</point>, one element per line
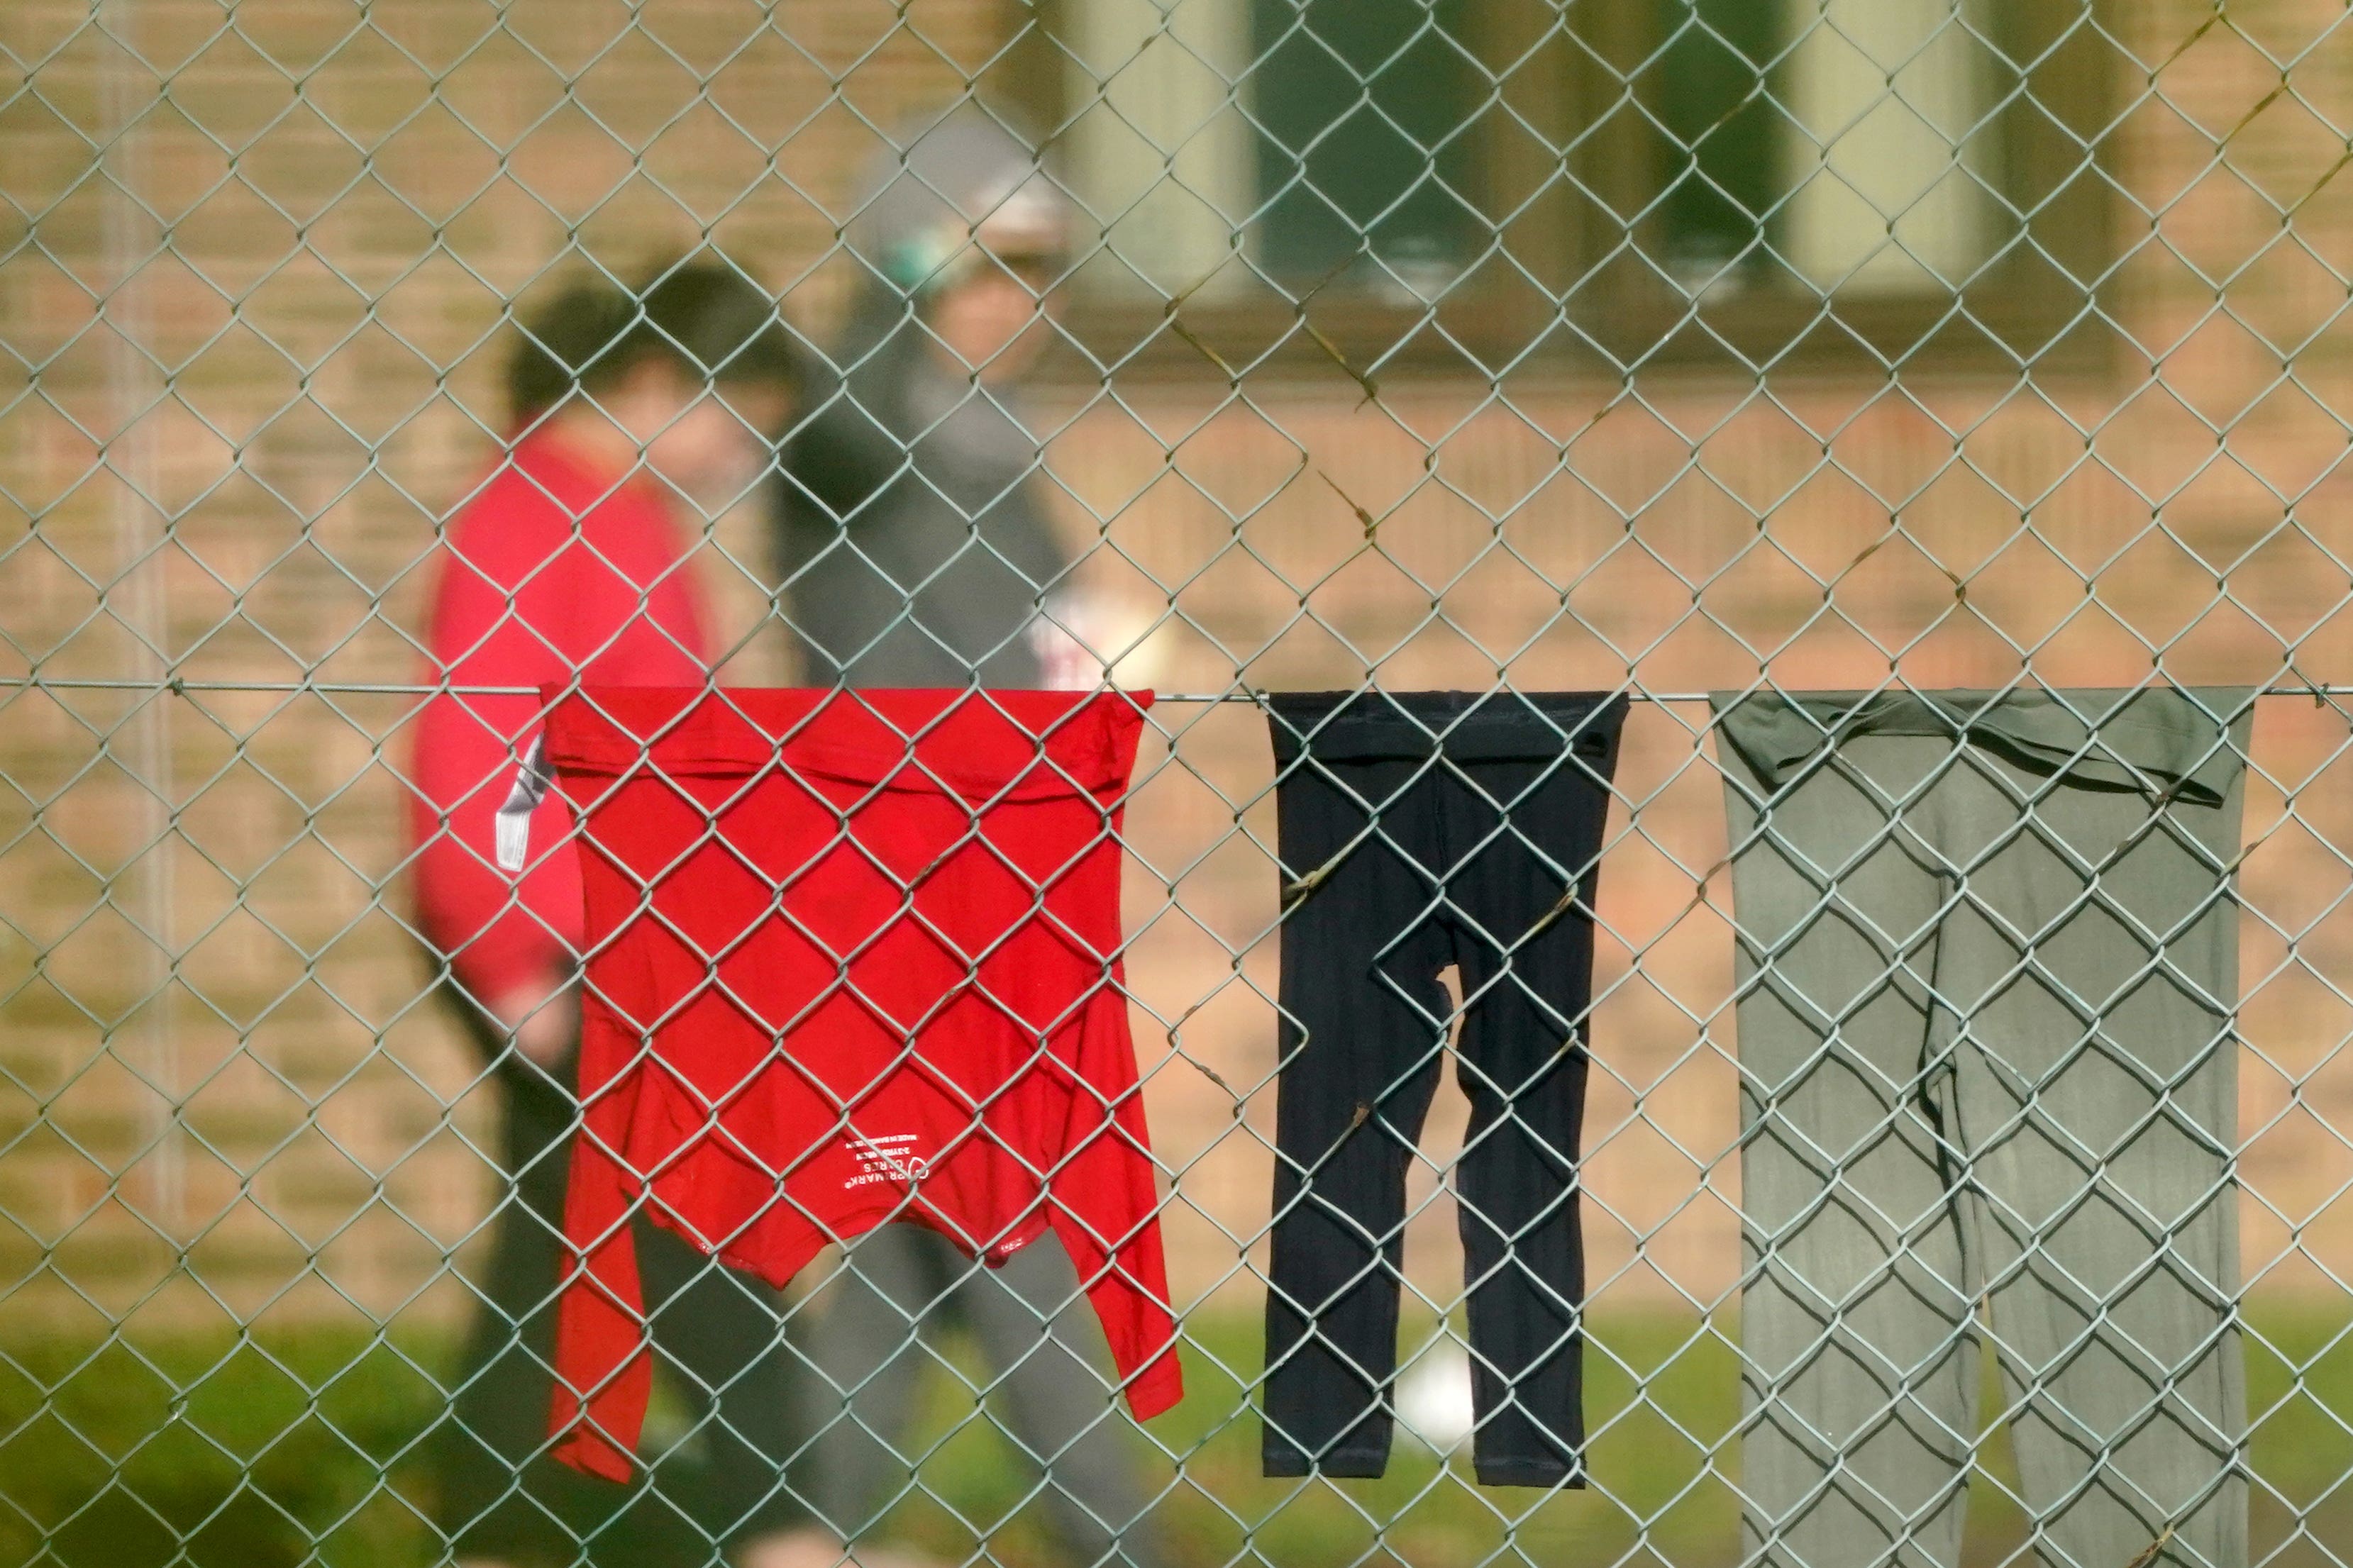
<point>1996,331</point>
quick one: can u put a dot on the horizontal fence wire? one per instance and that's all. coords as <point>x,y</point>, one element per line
<point>568,1041</point>
<point>177,686</point>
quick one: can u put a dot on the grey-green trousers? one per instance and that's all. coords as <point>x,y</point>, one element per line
<point>1987,964</point>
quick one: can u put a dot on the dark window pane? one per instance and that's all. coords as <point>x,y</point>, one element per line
<point>1363,109</point>
<point>1720,178</point>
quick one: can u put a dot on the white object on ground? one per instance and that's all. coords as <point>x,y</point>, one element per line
<point>1433,1396</point>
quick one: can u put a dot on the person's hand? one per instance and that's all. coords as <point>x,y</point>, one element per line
<point>809,1547</point>
<point>543,1016</point>
<point>1059,638</point>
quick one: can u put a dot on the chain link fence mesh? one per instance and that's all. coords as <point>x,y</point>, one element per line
<point>1652,346</point>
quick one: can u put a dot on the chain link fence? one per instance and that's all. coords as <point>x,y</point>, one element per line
<point>1907,349</point>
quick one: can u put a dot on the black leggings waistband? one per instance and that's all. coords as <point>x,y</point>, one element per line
<point>1465,725</point>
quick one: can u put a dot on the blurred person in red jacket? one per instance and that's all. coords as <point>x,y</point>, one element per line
<point>638,414</point>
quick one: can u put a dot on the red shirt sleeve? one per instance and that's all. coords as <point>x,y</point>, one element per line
<point>1107,1213</point>
<point>603,1371</point>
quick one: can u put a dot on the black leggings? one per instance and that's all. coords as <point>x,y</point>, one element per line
<point>717,1343</point>
<point>1416,831</point>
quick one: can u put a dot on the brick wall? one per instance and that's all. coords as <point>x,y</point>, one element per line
<point>284,352</point>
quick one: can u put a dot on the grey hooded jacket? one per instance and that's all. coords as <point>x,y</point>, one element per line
<point>912,545</point>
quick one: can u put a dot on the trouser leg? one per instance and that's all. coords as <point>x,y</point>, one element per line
<point>498,1495</point>
<point>1053,1398</point>
<point>1522,835</point>
<point>1858,1376</point>
<point>1363,1024</point>
<point>870,1337</point>
<point>2095,954</point>
<point>491,1495</point>
<point>870,1326</point>
<point>718,1337</point>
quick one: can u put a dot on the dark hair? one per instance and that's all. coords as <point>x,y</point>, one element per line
<point>704,317</point>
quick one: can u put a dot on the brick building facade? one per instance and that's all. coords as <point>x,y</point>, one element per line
<point>253,280</point>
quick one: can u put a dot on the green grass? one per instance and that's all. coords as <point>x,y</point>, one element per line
<point>208,1452</point>
<point>216,1453</point>
<point>1650,1456</point>
<point>1661,1400</point>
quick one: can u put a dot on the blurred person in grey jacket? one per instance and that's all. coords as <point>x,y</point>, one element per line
<point>915,550</point>
<point>912,541</point>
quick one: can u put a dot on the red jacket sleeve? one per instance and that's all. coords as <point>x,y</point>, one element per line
<point>496,930</point>
<point>1106,1210</point>
<point>551,572</point>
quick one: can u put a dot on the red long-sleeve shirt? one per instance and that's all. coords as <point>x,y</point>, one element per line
<point>555,569</point>
<point>853,958</point>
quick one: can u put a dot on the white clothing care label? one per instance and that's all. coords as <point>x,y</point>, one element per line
<point>514,816</point>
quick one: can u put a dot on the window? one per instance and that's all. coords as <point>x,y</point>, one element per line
<point>1855,143</point>
<point>1374,155</point>
<point>1448,179</point>
<point>1710,101</point>
<point>1367,114</point>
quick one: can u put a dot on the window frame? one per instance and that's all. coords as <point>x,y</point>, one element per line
<point>1640,323</point>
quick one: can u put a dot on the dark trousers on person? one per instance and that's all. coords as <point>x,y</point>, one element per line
<point>717,1344</point>
<point>873,1333</point>
<point>1417,831</point>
